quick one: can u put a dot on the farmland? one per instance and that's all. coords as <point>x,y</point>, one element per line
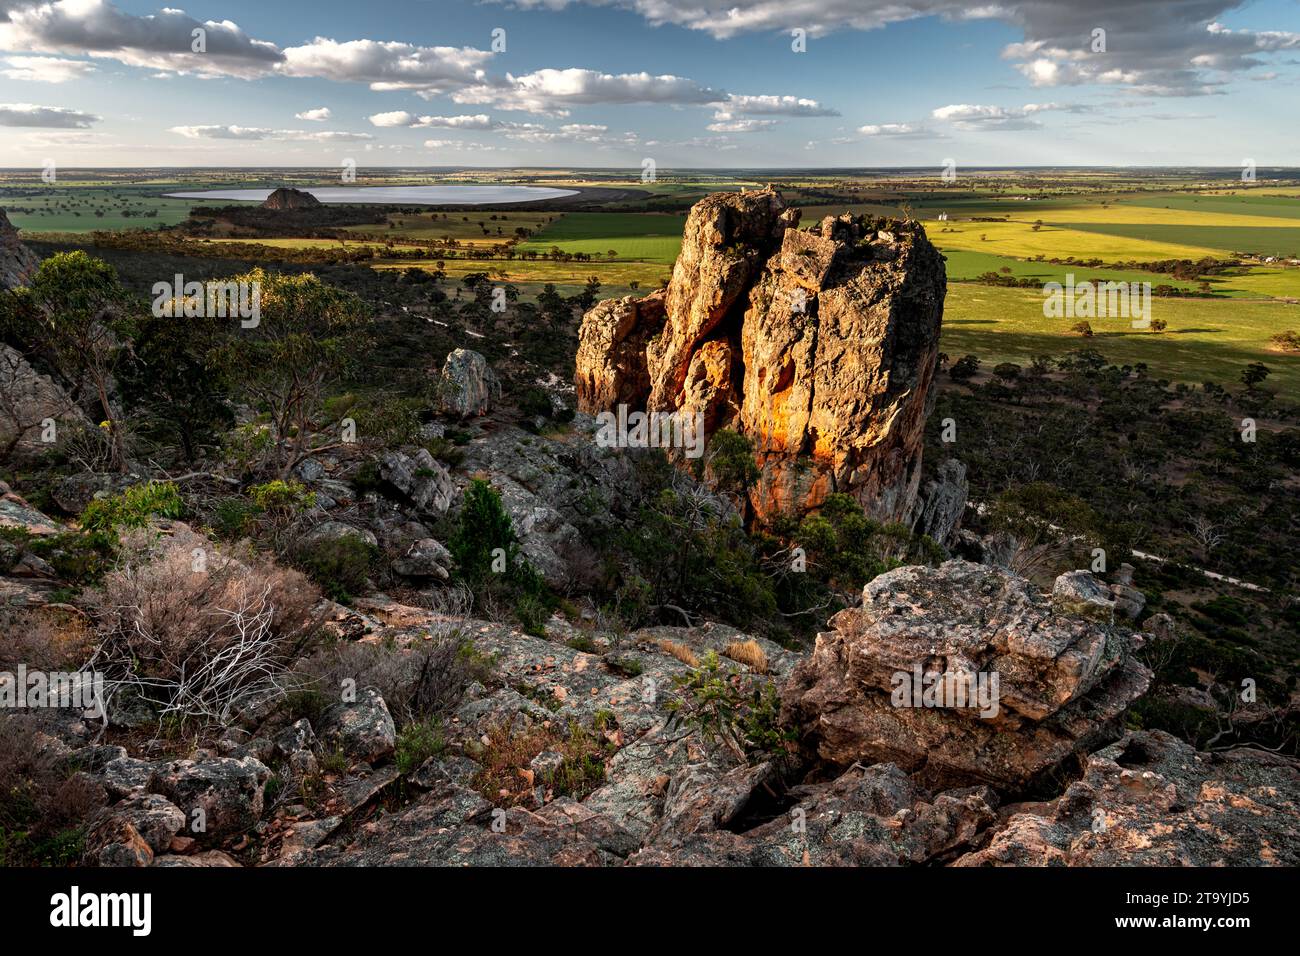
<point>1004,234</point>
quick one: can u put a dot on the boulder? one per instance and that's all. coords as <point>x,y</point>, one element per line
<point>419,477</point>
<point>941,502</point>
<point>363,729</point>
<point>469,386</point>
<point>17,262</point>
<point>820,345</point>
<point>1028,680</point>
<point>337,530</point>
<point>426,558</point>
<point>16,513</point>
<point>227,791</point>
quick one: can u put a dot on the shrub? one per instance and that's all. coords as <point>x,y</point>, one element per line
<point>340,565</point>
<point>964,368</point>
<point>417,742</point>
<point>419,683</point>
<point>737,710</point>
<point>1288,341</point>
<point>1082,328</point>
<point>281,498</point>
<point>195,633</point>
<point>133,507</point>
<point>44,804</point>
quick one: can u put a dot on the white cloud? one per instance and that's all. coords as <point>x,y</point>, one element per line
<point>47,117</point>
<point>1167,48</point>
<point>774,106</point>
<point>45,69</point>
<point>387,65</point>
<point>163,40</point>
<point>973,118</point>
<point>901,130</point>
<point>318,115</point>
<point>262,133</point>
<point>402,118</point>
<point>555,91</point>
<point>722,125</point>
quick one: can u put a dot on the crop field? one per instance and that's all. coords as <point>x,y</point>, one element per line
<point>1206,338</point>
<point>648,237</point>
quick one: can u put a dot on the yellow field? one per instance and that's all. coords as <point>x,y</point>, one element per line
<point>1019,240</point>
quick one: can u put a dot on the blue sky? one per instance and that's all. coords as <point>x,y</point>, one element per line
<point>684,82</point>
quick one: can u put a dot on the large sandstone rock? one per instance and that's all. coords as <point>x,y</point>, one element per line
<point>17,262</point>
<point>941,502</point>
<point>220,797</point>
<point>1064,676</point>
<point>820,345</point>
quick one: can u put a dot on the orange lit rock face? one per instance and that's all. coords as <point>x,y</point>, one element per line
<point>818,344</point>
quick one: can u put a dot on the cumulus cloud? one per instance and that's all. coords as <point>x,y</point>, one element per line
<point>774,106</point>
<point>318,115</point>
<point>723,124</point>
<point>46,117</point>
<point>45,69</point>
<point>1166,48</point>
<point>163,40</point>
<point>900,130</point>
<point>555,91</point>
<point>402,118</point>
<point>387,65</point>
<point>974,118</point>
<point>261,133</point>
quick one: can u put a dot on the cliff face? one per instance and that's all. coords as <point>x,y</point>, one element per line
<point>17,262</point>
<point>286,198</point>
<point>819,345</point>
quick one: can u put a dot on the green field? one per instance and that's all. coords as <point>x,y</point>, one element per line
<point>1206,338</point>
<point>648,237</point>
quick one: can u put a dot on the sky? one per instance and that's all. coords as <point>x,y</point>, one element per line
<point>685,83</point>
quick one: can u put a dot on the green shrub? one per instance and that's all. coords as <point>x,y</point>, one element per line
<point>281,498</point>
<point>339,565</point>
<point>417,742</point>
<point>133,507</point>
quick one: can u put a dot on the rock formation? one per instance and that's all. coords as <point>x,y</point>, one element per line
<point>820,345</point>
<point>1064,675</point>
<point>469,386</point>
<point>288,198</point>
<point>17,262</point>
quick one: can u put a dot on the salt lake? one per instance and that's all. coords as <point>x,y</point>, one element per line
<point>442,195</point>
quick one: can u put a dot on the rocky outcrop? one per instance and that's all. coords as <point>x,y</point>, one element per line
<point>220,797</point>
<point>820,345</point>
<point>288,198</point>
<point>468,384</point>
<point>32,408</point>
<point>362,729</point>
<point>17,262</point>
<point>1017,682</point>
<point>1151,800</point>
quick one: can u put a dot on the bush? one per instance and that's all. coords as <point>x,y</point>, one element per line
<point>417,742</point>
<point>738,710</point>
<point>964,368</point>
<point>133,507</point>
<point>44,804</point>
<point>1288,341</point>
<point>193,632</point>
<point>1082,328</point>
<point>339,565</point>
<point>419,683</point>
<point>281,498</point>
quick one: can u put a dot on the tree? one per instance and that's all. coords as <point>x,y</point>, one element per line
<point>308,335</point>
<point>83,320</point>
<point>1254,373</point>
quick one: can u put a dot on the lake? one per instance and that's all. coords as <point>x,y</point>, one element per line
<point>445,195</point>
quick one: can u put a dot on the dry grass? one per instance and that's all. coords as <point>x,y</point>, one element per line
<point>679,651</point>
<point>749,653</point>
